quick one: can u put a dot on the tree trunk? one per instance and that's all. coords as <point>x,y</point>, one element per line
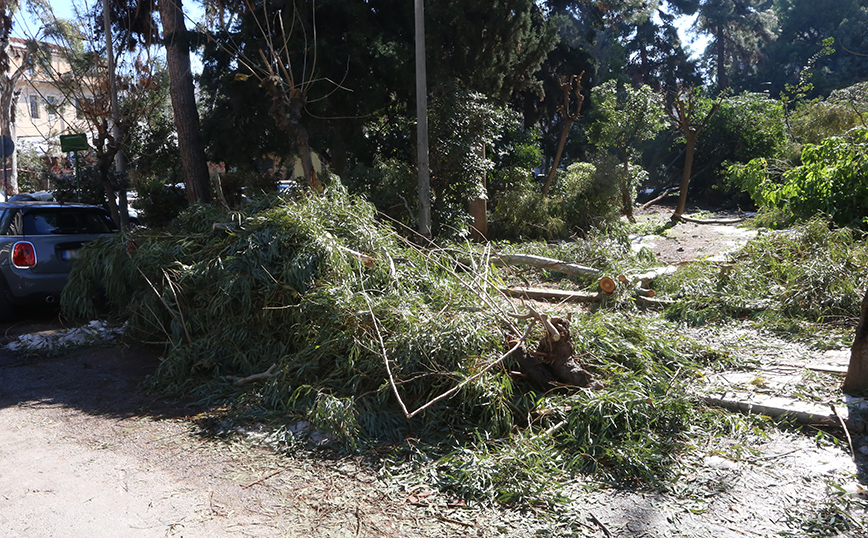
<point>856,381</point>
<point>302,139</point>
<point>554,169</point>
<point>8,97</point>
<point>722,79</point>
<point>626,199</point>
<point>190,142</point>
<point>690,136</point>
<point>479,207</point>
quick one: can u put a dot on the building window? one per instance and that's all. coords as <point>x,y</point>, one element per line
<point>34,106</point>
<point>79,114</point>
<point>51,106</point>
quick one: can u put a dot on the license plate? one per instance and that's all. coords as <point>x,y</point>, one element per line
<point>69,255</point>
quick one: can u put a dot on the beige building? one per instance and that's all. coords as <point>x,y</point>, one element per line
<point>42,113</point>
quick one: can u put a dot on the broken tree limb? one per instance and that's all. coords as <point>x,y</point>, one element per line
<point>644,279</point>
<point>709,221</point>
<point>551,330</point>
<point>555,295</point>
<point>541,262</point>
<point>666,193</point>
<point>642,292</point>
<point>775,407</point>
<point>238,381</point>
<point>651,302</point>
<point>846,430</point>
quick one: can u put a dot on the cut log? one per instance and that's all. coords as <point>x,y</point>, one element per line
<point>541,262</point>
<point>607,284</point>
<point>775,407</point>
<point>555,295</point>
<point>642,292</point>
<point>650,302</point>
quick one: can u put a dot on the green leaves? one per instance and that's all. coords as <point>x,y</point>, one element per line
<point>831,180</point>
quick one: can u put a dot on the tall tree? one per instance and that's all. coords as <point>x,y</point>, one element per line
<point>177,42</point>
<point>738,30</point>
<point>804,26</point>
<point>135,23</point>
<point>77,67</point>
<point>690,113</point>
<point>9,78</point>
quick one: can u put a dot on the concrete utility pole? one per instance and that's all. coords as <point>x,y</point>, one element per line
<point>422,124</point>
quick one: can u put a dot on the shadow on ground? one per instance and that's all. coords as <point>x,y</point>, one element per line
<point>99,381</point>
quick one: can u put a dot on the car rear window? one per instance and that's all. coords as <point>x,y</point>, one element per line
<point>66,221</point>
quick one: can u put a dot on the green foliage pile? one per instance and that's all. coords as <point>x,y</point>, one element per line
<point>811,272</point>
<point>580,200</point>
<point>286,286</point>
<point>630,433</point>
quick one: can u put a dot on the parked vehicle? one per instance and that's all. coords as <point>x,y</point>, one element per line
<point>39,242</point>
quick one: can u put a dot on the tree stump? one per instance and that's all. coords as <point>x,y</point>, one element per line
<point>856,381</point>
<point>553,364</point>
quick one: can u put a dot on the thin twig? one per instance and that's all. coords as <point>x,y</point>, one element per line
<point>178,304</point>
<point>846,431</point>
<point>171,312</point>
<point>385,356</point>
<point>600,523</point>
<point>455,521</point>
<point>263,479</point>
<point>476,376</point>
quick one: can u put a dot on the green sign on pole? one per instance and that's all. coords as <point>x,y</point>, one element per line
<point>73,142</point>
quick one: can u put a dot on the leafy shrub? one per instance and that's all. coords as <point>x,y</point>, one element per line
<point>159,202</point>
<point>832,180</point>
<point>580,199</point>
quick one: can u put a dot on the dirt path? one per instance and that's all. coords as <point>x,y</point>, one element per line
<point>84,453</point>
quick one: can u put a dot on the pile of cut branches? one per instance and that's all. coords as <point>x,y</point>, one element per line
<point>308,307</point>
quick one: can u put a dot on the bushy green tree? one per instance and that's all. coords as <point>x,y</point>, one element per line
<point>627,117</point>
<point>831,180</point>
<point>582,197</point>
<point>745,127</point>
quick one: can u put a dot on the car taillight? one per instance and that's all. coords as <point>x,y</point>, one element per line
<point>23,255</point>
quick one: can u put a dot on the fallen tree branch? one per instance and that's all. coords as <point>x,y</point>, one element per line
<point>548,264</point>
<point>261,480</point>
<point>666,193</point>
<point>554,295</point>
<point>238,381</point>
<point>846,431</point>
<point>709,221</point>
<point>552,331</point>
